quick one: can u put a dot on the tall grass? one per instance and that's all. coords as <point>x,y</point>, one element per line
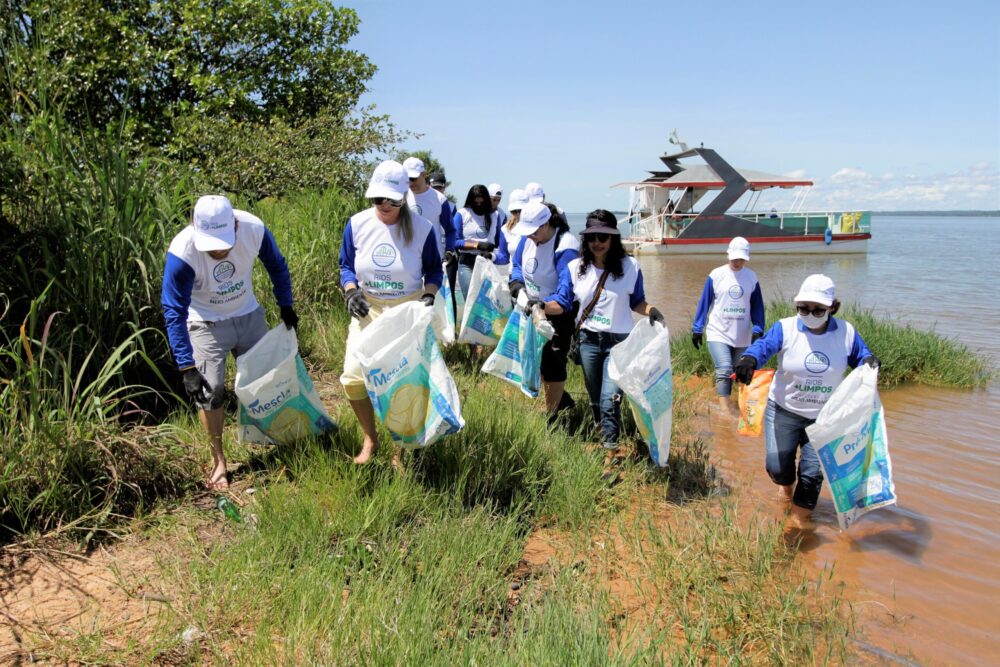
<point>908,354</point>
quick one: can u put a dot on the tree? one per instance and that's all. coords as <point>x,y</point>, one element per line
<point>431,164</point>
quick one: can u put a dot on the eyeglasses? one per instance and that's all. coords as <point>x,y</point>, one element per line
<point>378,201</point>
<point>816,312</point>
<point>414,178</point>
<point>600,237</point>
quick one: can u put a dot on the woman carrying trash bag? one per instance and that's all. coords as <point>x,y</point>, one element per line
<point>477,230</point>
<point>607,283</point>
<point>815,350</point>
<point>541,269</point>
<point>389,255</point>
<point>732,303</point>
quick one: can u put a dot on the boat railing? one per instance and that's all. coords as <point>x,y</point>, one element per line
<point>653,227</point>
<point>814,222</point>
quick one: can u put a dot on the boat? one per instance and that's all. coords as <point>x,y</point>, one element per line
<point>670,213</point>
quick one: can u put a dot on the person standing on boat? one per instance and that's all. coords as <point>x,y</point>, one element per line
<point>477,232</point>
<point>388,256</point>
<point>541,269</point>
<point>815,350</point>
<point>732,304</point>
<point>609,321</point>
<point>210,308</point>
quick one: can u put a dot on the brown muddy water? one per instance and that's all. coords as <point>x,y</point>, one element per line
<point>923,577</point>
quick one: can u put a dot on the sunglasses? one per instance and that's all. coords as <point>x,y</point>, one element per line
<point>414,178</point>
<point>816,312</point>
<point>378,201</point>
<point>600,237</point>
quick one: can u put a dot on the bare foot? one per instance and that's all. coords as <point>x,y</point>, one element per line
<point>785,492</point>
<point>368,450</point>
<point>801,519</point>
<point>218,479</point>
<point>397,460</point>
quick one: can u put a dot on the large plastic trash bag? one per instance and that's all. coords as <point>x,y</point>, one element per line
<point>518,355</point>
<point>407,380</point>
<point>853,447</point>
<point>444,314</point>
<point>640,366</point>
<point>753,403</point>
<point>487,306</point>
<point>278,402</point>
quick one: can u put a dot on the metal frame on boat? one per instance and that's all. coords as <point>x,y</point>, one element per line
<point>662,216</point>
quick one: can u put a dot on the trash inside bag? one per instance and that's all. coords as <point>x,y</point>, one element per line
<point>753,403</point>
<point>407,380</point>
<point>487,306</point>
<point>518,355</point>
<point>444,313</point>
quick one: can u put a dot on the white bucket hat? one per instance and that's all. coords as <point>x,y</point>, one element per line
<point>414,166</point>
<point>388,180</point>
<point>739,248</point>
<point>535,192</point>
<point>516,200</point>
<point>533,215</point>
<point>214,223</point>
<point>817,288</point>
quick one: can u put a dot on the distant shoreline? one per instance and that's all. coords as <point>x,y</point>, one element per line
<point>958,214</point>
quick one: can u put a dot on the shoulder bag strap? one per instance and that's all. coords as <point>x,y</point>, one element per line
<point>593,302</point>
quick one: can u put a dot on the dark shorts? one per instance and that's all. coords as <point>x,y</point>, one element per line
<point>554,353</point>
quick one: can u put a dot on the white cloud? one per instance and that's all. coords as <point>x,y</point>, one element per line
<point>797,173</point>
<point>849,175</point>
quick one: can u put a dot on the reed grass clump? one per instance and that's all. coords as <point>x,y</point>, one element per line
<point>908,354</point>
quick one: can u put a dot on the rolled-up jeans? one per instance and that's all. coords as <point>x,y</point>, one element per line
<point>605,396</point>
<point>784,434</point>
<point>724,356</point>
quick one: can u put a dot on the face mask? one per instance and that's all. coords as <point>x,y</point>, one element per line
<point>813,322</point>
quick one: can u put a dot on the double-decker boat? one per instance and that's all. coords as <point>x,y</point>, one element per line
<point>670,213</point>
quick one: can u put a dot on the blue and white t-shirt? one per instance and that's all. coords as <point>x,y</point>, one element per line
<point>734,306</point>
<point>810,366</point>
<point>471,226</point>
<point>374,257</point>
<point>613,310</point>
<point>544,268</point>
<point>434,206</point>
<point>198,288</point>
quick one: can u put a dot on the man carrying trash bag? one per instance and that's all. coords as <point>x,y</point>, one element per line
<point>210,308</point>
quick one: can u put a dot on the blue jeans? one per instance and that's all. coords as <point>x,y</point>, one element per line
<point>784,433</point>
<point>605,396</point>
<point>464,276</point>
<point>724,356</point>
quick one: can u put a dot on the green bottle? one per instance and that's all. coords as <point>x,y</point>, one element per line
<point>228,508</point>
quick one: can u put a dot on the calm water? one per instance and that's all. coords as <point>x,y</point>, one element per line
<point>924,576</point>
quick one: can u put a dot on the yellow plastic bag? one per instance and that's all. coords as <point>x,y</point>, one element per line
<point>753,402</point>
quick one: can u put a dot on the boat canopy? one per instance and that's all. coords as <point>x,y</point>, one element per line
<point>703,176</point>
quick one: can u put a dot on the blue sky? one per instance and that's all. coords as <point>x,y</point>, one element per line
<point>885,105</point>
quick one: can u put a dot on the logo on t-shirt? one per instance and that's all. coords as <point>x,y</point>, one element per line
<point>531,265</point>
<point>223,271</point>
<point>736,291</point>
<point>817,362</point>
<point>383,255</point>
<point>420,209</point>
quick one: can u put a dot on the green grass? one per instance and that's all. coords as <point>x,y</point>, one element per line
<point>908,354</point>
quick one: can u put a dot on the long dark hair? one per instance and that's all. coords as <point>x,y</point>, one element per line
<point>558,220</point>
<point>479,191</point>
<point>614,261</point>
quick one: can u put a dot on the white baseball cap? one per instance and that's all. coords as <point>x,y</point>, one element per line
<point>495,189</point>
<point>414,166</point>
<point>214,223</point>
<point>739,248</point>
<point>533,215</point>
<point>388,180</point>
<point>535,192</point>
<point>517,199</point>
<point>817,288</point>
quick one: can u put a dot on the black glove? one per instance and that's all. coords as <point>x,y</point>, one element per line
<point>515,289</point>
<point>696,340</point>
<point>485,246</point>
<point>755,336</point>
<point>427,299</point>
<point>357,304</point>
<point>532,303</point>
<point>873,361</point>
<point>450,257</point>
<point>745,368</point>
<point>289,317</point>
<point>196,386</point>
<point>656,316</point>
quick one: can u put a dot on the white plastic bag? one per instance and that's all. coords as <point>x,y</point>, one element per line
<point>518,355</point>
<point>853,447</point>
<point>278,403</point>
<point>488,305</point>
<point>640,365</point>
<point>407,380</point>
<point>444,314</point>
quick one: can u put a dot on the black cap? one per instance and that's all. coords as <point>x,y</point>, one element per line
<point>437,178</point>
<point>604,223</point>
